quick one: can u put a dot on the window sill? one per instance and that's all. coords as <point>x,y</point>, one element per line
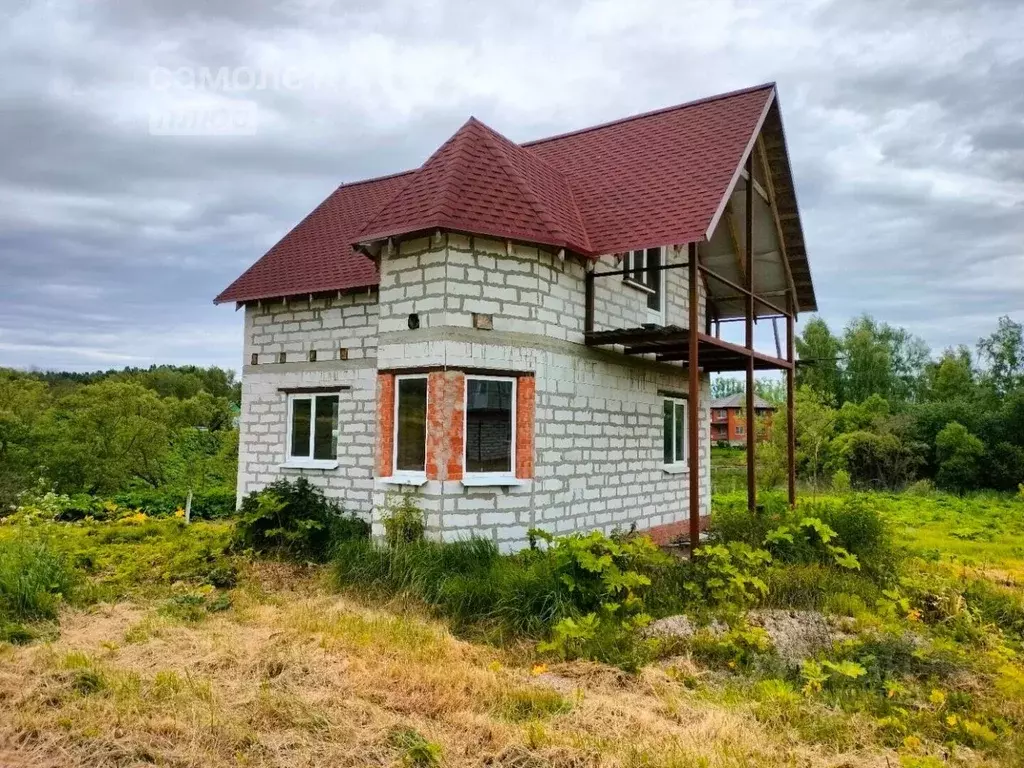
<point>638,286</point>
<point>476,481</point>
<point>310,464</point>
<point>415,479</point>
<point>675,469</point>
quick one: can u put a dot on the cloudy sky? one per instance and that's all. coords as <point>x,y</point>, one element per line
<point>905,121</point>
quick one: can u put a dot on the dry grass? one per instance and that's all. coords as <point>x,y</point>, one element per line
<point>294,676</point>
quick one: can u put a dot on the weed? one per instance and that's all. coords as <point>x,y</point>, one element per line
<point>531,703</point>
<point>415,750</point>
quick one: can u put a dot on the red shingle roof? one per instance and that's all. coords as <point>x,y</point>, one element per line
<point>647,180</point>
<point>480,182</point>
<point>316,256</point>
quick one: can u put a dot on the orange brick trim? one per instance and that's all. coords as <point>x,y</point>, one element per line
<point>526,397</point>
<point>446,393</point>
<point>457,426</point>
<point>385,424</point>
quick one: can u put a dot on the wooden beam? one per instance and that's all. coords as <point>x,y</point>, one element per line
<point>746,175</point>
<point>772,204</point>
<point>693,404</point>
<point>749,323</point>
<point>734,237</point>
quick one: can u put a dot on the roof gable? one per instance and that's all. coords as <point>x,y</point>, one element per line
<point>660,177</point>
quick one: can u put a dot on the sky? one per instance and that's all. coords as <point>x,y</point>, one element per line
<point>151,150</point>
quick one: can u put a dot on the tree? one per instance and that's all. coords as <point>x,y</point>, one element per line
<point>105,436</point>
<point>724,386</point>
<point>22,403</point>
<point>820,352</point>
<point>951,377</point>
<point>815,427</point>
<point>959,454</point>
<point>1003,352</point>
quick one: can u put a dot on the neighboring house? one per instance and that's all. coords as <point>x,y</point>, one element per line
<point>727,418</point>
<point>506,328</point>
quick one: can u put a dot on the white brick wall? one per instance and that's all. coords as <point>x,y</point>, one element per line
<point>598,443</point>
<point>598,438</point>
<point>324,325</point>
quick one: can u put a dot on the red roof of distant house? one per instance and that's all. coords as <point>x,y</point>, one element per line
<point>647,180</point>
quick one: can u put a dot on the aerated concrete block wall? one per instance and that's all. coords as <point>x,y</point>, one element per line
<point>598,429</point>
<point>326,325</point>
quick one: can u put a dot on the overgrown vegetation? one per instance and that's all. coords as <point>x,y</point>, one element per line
<point>296,520</point>
<point>141,438</point>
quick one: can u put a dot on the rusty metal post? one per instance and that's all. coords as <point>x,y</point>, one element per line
<point>749,318</point>
<point>693,402</point>
<point>790,403</point>
<point>588,311</point>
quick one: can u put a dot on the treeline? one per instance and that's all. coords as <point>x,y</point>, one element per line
<point>151,437</point>
<point>876,408</point>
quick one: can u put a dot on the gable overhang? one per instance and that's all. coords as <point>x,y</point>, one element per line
<point>781,267</point>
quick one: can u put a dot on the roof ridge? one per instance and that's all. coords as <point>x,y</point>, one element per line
<point>651,113</point>
<point>524,186</point>
<point>449,170</point>
<point>372,179</point>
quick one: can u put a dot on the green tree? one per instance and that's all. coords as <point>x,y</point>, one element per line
<point>959,454</point>
<point>1003,352</point>
<point>23,402</point>
<point>815,428</point>
<point>820,352</point>
<point>724,386</point>
<point>951,376</point>
<point>105,436</point>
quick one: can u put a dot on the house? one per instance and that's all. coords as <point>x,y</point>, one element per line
<point>523,333</point>
<point>727,422</point>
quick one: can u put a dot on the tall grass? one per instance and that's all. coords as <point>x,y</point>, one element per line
<point>33,580</point>
<point>467,581</point>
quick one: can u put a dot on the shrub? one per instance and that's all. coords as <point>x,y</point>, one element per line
<point>210,504</point>
<point>958,454</point>
<point>841,481</point>
<point>296,520</point>
<point>402,519</point>
<point>33,580</point>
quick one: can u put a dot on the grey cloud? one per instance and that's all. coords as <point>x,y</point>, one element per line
<point>904,122</point>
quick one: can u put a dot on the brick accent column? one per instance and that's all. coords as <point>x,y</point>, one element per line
<point>526,396</point>
<point>385,424</point>
<point>446,396</point>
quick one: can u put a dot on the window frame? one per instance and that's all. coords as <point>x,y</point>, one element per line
<point>409,476</point>
<point>627,278</point>
<point>308,462</point>
<point>678,463</point>
<point>489,478</point>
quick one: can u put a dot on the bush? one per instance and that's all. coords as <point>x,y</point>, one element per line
<point>33,580</point>
<point>402,519</point>
<point>296,520</point>
<point>817,531</point>
<point>958,454</point>
<point>211,504</point>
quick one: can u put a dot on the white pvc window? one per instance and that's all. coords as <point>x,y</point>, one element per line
<point>490,428</point>
<point>313,430</point>
<point>675,426</point>
<point>410,448</point>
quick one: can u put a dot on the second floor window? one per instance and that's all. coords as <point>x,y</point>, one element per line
<point>636,265</point>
